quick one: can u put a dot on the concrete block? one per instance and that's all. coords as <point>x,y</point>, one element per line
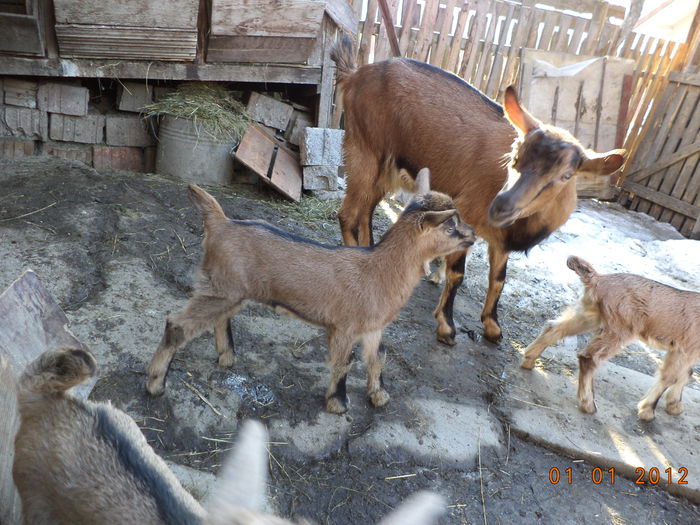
<point>322,147</point>
<point>11,148</point>
<point>81,152</point>
<point>19,92</point>
<point>327,195</point>
<point>299,122</point>
<point>269,111</point>
<point>86,130</point>
<point>127,130</point>
<point>24,122</point>
<point>321,178</point>
<point>117,158</point>
<point>133,96</point>
<point>66,99</point>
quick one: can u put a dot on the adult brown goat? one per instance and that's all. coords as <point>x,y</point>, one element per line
<point>511,177</point>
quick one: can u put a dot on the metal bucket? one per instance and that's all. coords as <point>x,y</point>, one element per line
<point>192,154</point>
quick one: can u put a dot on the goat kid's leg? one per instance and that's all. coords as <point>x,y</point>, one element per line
<point>601,348</point>
<point>361,197</point>
<point>375,357</point>
<point>444,313</point>
<point>223,338</point>
<point>498,262</point>
<point>340,362</point>
<point>199,314</point>
<point>674,373</point>
<point>574,320</point>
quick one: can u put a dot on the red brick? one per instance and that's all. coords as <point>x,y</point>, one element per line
<point>81,152</point>
<point>10,148</point>
<point>117,158</point>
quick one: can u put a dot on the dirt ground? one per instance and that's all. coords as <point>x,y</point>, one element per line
<point>118,251</point>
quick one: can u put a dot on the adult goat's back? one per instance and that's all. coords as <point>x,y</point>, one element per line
<point>510,176</point>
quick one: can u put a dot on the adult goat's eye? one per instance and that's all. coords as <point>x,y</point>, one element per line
<point>567,175</point>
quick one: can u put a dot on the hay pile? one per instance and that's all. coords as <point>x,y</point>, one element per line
<point>213,109</point>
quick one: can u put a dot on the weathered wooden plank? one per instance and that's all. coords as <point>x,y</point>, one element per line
<point>138,13</point>
<point>365,44</point>
<point>94,41</point>
<point>32,322</point>
<point>264,18</point>
<point>20,35</point>
<point>384,47</point>
<point>692,79</point>
<point>406,24</point>
<point>100,68</point>
<point>427,25</point>
<point>494,77</point>
<point>438,57</point>
<point>665,162</point>
<point>256,150</point>
<point>551,20</point>
<point>486,59</point>
<point>578,36</point>
<point>677,205</point>
<point>342,14</point>
<point>452,60</point>
<point>286,174</point>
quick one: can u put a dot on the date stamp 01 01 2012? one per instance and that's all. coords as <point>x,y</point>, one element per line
<point>643,476</point>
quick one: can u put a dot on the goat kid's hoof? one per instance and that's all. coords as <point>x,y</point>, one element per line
<point>336,405</point>
<point>379,398</point>
<point>155,387</point>
<point>528,363</point>
<point>226,359</point>
<point>587,407</point>
<point>674,408</point>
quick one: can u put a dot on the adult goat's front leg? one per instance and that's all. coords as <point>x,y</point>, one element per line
<point>444,313</point>
<point>498,262</point>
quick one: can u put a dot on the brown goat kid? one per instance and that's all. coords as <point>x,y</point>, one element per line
<point>83,463</point>
<point>352,292</point>
<point>511,177</point>
<point>622,307</point>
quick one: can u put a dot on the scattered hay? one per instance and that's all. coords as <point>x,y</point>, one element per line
<point>311,210</point>
<point>213,109</point>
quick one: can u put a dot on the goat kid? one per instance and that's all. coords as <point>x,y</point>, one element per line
<point>78,462</point>
<point>511,177</point>
<point>622,307</point>
<point>352,292</point>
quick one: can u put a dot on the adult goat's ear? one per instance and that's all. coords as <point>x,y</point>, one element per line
<point>423,181</point>
<point>516,114</point>
<point>603,163</point>
<point>433,219</point>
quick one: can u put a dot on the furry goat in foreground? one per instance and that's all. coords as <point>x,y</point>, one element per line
<point>624,307</point>
<point>353,292</point>
<point>78,462</point>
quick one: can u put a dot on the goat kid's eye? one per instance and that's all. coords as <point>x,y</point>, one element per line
<point>567,175</point>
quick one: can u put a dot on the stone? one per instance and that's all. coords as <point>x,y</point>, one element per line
<point>269,111</point>
<point>19,92</point>
<point>133,96</point>
<point>322,147</point>
<point>24,122</point>
<point>321,178</point>
<point>66,99</point>
<point>87,130</point>
<point>117,158</point>
<point>127,130</point>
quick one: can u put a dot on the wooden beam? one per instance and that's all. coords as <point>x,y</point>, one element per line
<point>682,153</point>
<point>692,79</point>
<point>677,205</point>
<point>267,73</point>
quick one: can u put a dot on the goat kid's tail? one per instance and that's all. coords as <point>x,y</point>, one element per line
<point>584,270</point>
<point>57,371</point>
<point>344,59</point>
<point>206,204</point>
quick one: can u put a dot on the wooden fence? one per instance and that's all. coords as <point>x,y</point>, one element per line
<point>663,179</point>
<point>480,41</point>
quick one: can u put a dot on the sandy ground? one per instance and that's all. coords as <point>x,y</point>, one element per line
<point>118,251</point>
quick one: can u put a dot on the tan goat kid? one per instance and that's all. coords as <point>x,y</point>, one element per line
<point>83,463</point>
<point>352,292</point>
<point>511,177</point>
<point>622,307</point>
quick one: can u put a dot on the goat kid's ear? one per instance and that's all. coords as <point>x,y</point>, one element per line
<point>423,181</point>
<point>518,115</point>
<point>433,219</point>
<point>242,481</point>
<point>603,163</point>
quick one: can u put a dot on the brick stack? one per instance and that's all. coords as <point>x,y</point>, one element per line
<point>56,118</point>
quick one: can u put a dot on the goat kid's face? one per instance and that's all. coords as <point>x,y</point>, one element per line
<point>543,162</point>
